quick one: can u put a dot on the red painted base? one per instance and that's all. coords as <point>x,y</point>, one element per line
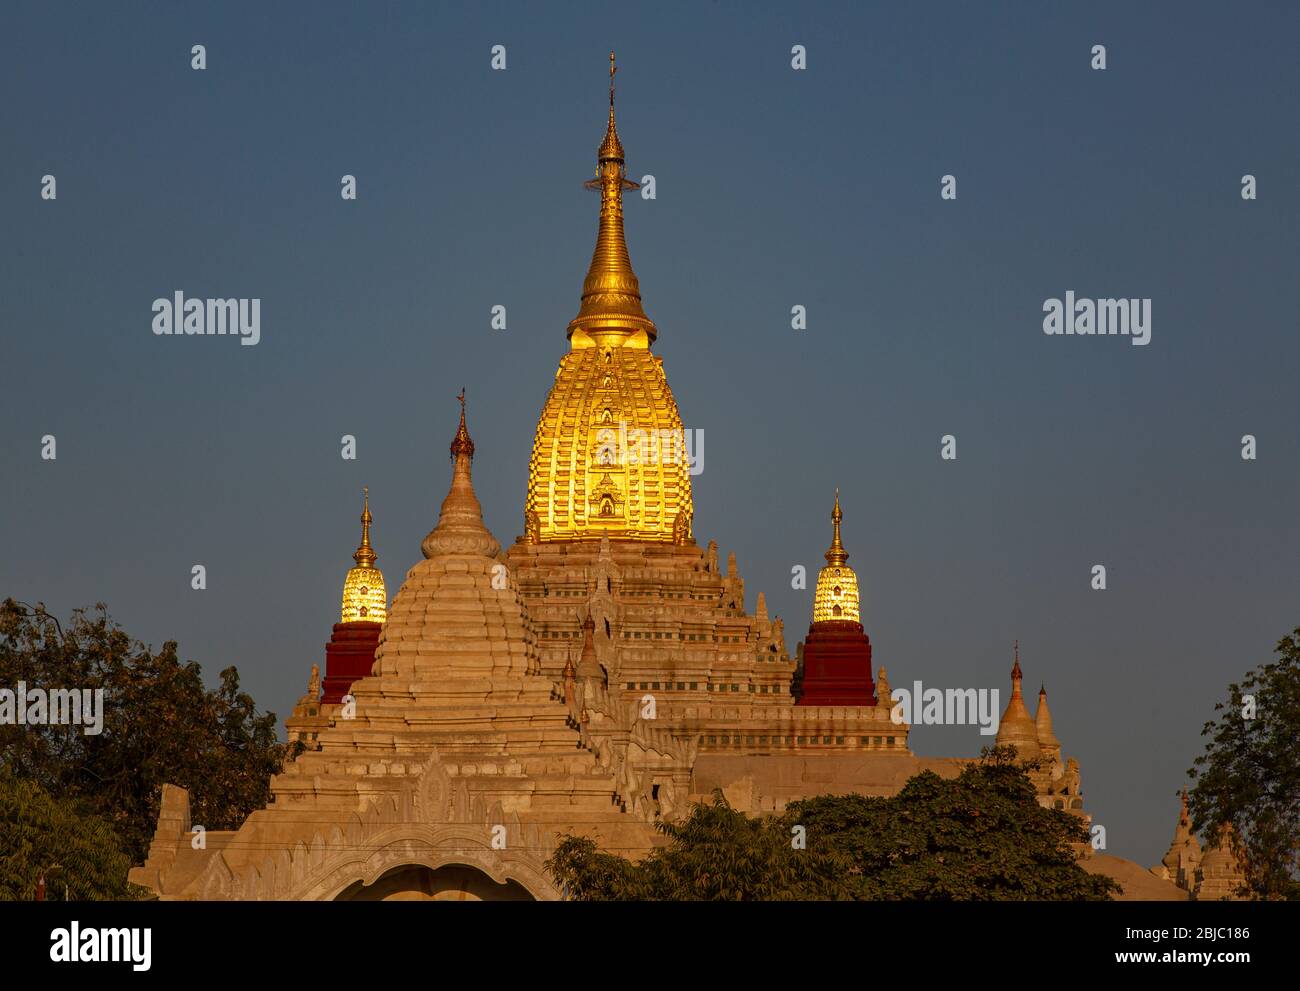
<point>837,665</point>
<point>349,656</point>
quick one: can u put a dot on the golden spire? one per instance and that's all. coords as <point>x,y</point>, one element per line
<point>836,598</point>
<point>365,555</point>
<point>836,555</point>
<point>1017,728</point>
<point>611,312</point>
<point>461,442</point>
<point>611,148</point>
<point>365,599</point>
<point>460,528</point>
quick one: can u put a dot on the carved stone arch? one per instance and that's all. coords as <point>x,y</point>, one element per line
<point>433,847</point>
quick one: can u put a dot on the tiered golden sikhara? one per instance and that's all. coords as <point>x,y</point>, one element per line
<point>365,600</point>
<point>836,598</point>
<point>609,456</point>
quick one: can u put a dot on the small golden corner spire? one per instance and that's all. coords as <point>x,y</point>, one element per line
<point>365,555</point>
<point>365,599</point>
<point>837,555</point>
<point>836,598</point>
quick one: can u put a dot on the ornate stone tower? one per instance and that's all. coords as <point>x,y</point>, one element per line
<point>837,652</point>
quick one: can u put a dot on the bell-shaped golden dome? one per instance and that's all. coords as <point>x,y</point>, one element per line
<point>365,600</point>
<point>836,598</point>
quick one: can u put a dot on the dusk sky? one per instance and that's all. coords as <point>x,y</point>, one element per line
<point>774,188</point>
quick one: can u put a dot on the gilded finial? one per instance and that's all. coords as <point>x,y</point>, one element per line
<point>837,555</point>
<point>611,311</point>
<point>461,443</point>
<point>1015,671</point>
<point>611,149</point>
<point>365,555</point>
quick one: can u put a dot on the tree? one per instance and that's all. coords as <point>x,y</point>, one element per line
<point>714,854</point>
<point>161,724</point>
<point>1249,776</point>
<point>79,855</point>
<point>981,836</point>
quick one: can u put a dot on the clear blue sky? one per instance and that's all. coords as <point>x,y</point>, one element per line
<point>774,188</point>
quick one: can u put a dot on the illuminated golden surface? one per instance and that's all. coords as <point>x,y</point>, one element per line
<point>609,456</point>
<point>611,313</point>
<point>836,597</point>
<point>364,597</point>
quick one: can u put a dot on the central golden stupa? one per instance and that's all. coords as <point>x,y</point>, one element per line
<point>609,457</point>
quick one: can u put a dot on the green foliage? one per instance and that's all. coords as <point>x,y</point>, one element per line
<point>79,855</point>
<point>713,854</point>
<point>1249,775</point>
<point>161,725</point>
<point>981,836</point>
<point>587,875</point>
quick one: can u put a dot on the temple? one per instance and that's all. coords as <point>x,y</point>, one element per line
<point>1213,874</point>
<point>594,677</point>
